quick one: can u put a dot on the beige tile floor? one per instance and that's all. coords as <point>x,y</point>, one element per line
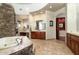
<point>50,47</point>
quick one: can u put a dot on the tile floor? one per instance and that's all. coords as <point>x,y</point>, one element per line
<point>51,47</point>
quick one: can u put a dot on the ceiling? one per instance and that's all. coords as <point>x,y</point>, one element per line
<point>51,6</point>
<point>26,8</point>
<point>54,6</point>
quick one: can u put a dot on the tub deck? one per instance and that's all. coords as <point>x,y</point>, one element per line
<point>25,44</point>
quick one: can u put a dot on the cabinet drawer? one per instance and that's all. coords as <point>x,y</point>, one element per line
<point>42,34</point>
<point>24,34</point>
<point>38,35</point>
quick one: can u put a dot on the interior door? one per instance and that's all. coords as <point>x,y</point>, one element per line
<point>57,29</point>
<point>60,25</point>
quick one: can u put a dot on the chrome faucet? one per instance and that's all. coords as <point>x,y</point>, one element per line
<point>19,41</point>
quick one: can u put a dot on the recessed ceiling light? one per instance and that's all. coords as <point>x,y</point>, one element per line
<point>50,6</point>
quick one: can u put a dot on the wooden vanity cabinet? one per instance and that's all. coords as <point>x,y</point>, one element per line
<point>68,40</point>
<point>24,34</point>
<point>33,35</point>
<point>37,35</point>
<point>73,43</point>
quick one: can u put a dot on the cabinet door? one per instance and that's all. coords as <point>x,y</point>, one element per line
<point>22,34</point>
<point>72,45</point>
<point>68,40</point>
<point>33,35</point>
<point>42,34</point>
<point>77,48</point>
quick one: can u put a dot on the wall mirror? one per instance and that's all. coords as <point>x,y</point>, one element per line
<point>40,25</point>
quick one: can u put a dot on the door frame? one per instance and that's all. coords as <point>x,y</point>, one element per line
<point>57,28</point>
<point>57,32</point>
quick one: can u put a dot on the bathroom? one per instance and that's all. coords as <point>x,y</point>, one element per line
<point>15,29</point>
<point>39,29</point>
<point>26,30</point>
<point>18,23</point>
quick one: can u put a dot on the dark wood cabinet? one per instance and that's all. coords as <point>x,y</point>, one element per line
<point>24,34</point>
<point>73,43</point>
<point>38,35</point>
<point>33,35</point>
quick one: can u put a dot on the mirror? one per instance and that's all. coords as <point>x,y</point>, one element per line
<point>40,25</point>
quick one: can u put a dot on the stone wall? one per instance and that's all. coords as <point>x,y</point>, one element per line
<point>7,21</point>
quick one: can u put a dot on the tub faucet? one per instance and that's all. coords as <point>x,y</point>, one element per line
<point>19,40</point>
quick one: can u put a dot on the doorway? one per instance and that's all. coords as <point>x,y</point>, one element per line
<point>60,28</point>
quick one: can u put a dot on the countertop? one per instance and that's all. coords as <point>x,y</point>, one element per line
<point>26,42</point>
<point>39,30</point>
<point>74,33</point>
<point>34,31</point>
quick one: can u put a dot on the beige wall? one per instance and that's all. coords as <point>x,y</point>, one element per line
<point>26,22</point>
<point>51,31</point>
<point>71,18</point>
<point>34,18</point>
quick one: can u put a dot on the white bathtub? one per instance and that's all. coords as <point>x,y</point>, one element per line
<point>9,45</point>
<point>7,42</point>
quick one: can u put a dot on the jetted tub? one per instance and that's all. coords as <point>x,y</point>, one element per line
<point>17,45</point>
<point>10,42</point>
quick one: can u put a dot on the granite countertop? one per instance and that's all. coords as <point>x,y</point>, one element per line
<point>26,42</point>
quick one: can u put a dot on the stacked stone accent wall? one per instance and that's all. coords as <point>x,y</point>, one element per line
<point>7,21</point>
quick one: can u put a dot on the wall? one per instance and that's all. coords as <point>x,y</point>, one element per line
<point>77,5</point>
<point>24,21</point>
<point>7,21</point>
<point>34,18</point>
<point>50,31</point>
<point>71,18</point>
